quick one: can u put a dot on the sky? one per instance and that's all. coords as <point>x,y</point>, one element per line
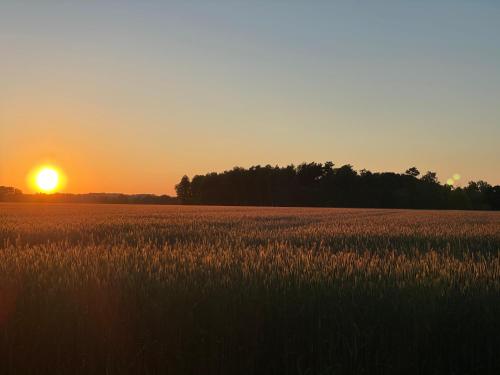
<point>128,96</point>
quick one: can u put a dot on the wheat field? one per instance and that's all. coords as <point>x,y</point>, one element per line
<point>115,289</point>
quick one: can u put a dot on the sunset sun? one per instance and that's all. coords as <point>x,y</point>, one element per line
<point>47,179</point>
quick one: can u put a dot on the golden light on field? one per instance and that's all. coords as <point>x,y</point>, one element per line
<point>46,179</point>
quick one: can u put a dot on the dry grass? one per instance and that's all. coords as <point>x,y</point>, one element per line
<point>214,290</point>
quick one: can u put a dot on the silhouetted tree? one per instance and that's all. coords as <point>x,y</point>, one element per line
<point>430,177</point>
<point>183,189</point>
<point>413,171</point>
<point>317,184</point>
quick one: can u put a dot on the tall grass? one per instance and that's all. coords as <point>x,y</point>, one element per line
<point>213,290</point>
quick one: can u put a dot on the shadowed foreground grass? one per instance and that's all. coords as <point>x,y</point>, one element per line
<point>212,290</point>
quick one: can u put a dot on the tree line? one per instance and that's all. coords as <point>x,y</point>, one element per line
<point>325,185</point>
<point>11,194</point>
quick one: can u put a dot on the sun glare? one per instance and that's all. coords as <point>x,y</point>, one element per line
<point>46,179</point>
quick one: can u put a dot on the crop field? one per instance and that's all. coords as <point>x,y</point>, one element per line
<point>115,289</point>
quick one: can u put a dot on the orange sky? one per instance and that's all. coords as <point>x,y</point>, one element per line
<point>129,99</point>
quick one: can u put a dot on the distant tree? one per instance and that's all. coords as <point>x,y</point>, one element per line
<point>365,173</point>
<point>430,177</point>
<point>9,190</point>
<point>413,171</point>
<point>493,197</point>
<point>328,168</point>
<point>9,193</point>
<point>483,186</point>
<point>183,189</point>
<point>479,194</point>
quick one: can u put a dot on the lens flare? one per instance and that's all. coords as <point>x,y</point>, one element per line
<point>450,181</point>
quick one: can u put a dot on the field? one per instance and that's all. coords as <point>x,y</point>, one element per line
<point>216,290</point>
